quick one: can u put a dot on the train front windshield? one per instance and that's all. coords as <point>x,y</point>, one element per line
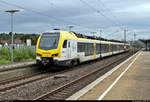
<point>49,41</point>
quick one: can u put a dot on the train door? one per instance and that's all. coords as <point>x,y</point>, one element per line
<point>72,49</point>
<point>69,50</point>
<point>112,49</point>
<point>64,50</point>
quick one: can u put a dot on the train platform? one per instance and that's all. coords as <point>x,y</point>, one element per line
<point>129,80</point>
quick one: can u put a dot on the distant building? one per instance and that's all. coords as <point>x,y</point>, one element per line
<point>3,42</point>
<point>28,41</point>
<point>16,42</point>
<point>6,44</point>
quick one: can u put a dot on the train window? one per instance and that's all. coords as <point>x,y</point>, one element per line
<point>68,44</point>
<point>110,48</point>
<point>102,48</point>
<point>79,47</point>
<point>88,48</point>
<point>114,47</point>
<point>49,41</point>
<point>120,47</point>
<point>83,47</point>
<point>65,44</point>
<point>91,46</point>
<point>105,47</point>
<point>98,47</point>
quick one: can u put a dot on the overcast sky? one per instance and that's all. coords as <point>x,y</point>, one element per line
<point>110,16</point>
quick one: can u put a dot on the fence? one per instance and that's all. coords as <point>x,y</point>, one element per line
<point>32,48</point>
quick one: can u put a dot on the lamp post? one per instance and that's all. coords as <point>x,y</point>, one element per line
<point>12,36</point>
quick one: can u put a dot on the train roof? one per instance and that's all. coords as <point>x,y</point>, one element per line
<point>52,31</point>
<point>78,36</point>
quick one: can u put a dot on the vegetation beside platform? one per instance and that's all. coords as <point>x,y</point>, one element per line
<point>20,55</point>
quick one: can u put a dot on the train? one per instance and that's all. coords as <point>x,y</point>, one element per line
<point>65,48</point>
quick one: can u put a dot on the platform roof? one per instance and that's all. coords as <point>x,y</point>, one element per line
<point>145,40</point>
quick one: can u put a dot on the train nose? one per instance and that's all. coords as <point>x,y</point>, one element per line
<point>46,61</point>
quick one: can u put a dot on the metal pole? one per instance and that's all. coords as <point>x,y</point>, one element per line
<point>124,37</point>
<point>94,34</point>
<point>132,45</point>
<point>100,43</point>
<point>134,41</point>
<point>101,33</point>
<point>12,38</point>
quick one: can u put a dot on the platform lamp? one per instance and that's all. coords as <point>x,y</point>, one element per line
<point>12,36</point>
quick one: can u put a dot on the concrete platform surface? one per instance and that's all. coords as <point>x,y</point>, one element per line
<point>133,85</point>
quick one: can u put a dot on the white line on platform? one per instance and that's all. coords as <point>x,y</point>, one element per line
<point>117,79</point>
<point>97,81</point>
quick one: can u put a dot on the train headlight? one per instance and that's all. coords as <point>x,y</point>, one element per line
<point>55,54</point>
<point>38,54</point>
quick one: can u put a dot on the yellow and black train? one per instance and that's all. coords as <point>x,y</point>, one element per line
<point>66,48</point>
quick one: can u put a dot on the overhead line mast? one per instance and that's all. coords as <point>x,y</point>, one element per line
<point>125,31</point>
<point>100,42</point>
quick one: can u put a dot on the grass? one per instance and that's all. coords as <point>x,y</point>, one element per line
<point>19,55</point>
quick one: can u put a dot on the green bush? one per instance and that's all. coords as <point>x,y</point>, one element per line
<point>23,54</point>
<point>3,61</point>
<point>5,54</point>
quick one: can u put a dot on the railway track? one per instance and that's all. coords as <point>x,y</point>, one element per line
<point>62,91</point>
<point>15,82</point>
<point>9,84</point>
<point>57,93</point>
<point>18,78</point>
<point>6,72</point>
